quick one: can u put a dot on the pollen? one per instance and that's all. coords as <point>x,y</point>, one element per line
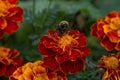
<point>111,62</point>
<point>66,40</point>
<point>4,7</point>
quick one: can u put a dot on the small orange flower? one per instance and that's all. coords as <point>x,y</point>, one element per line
<point>10,14</point>
<point>9,61</point>
<point>35,71</point>
<point>66,52</point>
<point>111,66</point>
<point>108,31</point>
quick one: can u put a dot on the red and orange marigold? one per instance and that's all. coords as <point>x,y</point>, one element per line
<point>35,71</point>
<point>65,52</point>
<point>10,14</point>
<point>108,31</point>
<point>111,66</point>
<point>9,61</point>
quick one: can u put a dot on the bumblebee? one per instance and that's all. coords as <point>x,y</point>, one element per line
<point>63,27</point>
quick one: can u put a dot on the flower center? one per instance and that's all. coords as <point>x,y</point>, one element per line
<point>116,22</point>
<point>66,40</point>
<point>4,6</point>
<point>111,62</point>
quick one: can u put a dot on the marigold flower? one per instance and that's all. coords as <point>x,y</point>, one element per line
<point>35,71</point>
<point>9,61</point>
<point>108,31</point>
<point>111,66</point>
<point>66,52</point>
<point>10,14</point>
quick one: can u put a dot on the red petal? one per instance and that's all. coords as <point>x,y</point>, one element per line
<point>10,69</point>
<point>61,58</point>
<point>47,42</point>
<point>3,23</point>
<point>113,36</point>
<point>18,62</point>
<point>74,33</point>
<point>1,34</point>
<point>75,54</point>
<point>11,27</point>
<point>13,1</point>
<point>82,41</point>
<point>54,35</point>
<point>16,14</point>
<point>13,53</point>
<point>12,78</point>
<point>45,51</point>
<point>117,47</point>
<point>107,44</point>
<point>112,14</point>
<point>51,75</point>
<point>85,51</point>
<point>50,63</point>
<point>2,69</point>
<point>67,66</point>
<point>100,31</point>
<point>94,30</point>
<point>79,65</point>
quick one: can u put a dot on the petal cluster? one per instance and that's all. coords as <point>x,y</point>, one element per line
<point>111,66</point>
<point>108,31</point>
<point>9,61</point>
<point>35,71</point>
<point>65,52</point>
<point>10,15</point>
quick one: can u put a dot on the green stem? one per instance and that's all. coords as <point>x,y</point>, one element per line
<point>34,8</point>
<point>46,13</point>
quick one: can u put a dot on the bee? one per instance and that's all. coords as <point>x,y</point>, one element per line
<point>63,27</point>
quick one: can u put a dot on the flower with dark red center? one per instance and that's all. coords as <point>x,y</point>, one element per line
<point>35,71</point>
<point>10,14</point>
<point>65,52</point>
<point>9,61</point>
<point>107,30</point>
<point>111,66</point>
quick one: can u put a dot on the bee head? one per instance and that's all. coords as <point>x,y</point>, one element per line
<point>63,27</point>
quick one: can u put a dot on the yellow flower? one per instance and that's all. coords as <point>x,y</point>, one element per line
<point>34,71</point>
<point>107,30</point>
<point>111,66</point>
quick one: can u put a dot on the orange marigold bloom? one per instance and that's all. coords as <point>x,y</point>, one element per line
<point>10,14</point>
<point>111,66</point>
<point>66,52</point>
<point>9,61</point>
<point>108,31</point>
<point>35,71</point>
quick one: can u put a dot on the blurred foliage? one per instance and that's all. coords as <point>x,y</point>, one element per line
<point>42,15</point>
